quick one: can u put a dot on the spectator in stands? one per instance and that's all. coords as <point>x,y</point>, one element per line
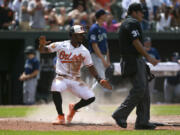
<point>164,20</point>
<point>6,16</point>
<point>151,50</point>
<point>145,22</point>
<point>76,3</point>
<point>75,12</point>
<point>24,17</point>
<point>37,12</point>
<point>175,4</point>
<point>156,4</point>
<point>62,18</point>
<point>166,3</point>
<point>102,4</point>
<point>125,5</point>
<point>175,22</point>
<point>16,8</point>
<point>9,5</point>
<point>1,2</point>
<point>172,84</point>
<point>78,16</point>
<point>52,19</point>
<point>109,25</point>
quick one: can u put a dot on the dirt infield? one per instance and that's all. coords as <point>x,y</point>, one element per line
<point>20,124</point>
<point>88,118</point>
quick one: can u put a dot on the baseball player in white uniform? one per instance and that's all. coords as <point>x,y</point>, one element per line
<point>71,56</point>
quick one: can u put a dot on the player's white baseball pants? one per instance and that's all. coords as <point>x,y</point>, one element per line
<point>75,86</point>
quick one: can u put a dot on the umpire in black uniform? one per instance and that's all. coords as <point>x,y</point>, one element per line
<point>133,67</point>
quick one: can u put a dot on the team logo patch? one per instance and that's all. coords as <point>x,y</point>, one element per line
<point>93,37</point>
<point>135,33</point>
<point>53,46</point>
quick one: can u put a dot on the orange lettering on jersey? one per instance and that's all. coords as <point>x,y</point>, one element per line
<point>65,58</point>
<point>62,55</point>
<point>76,63</point>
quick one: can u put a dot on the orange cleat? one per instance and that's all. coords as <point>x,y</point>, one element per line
<point>71,113</point>
<point>59,121</point>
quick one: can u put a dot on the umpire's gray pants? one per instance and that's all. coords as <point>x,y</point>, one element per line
<point>138,97</point>
<point>29,91</point>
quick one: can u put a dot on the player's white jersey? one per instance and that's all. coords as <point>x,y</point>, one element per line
<point>69,58</point>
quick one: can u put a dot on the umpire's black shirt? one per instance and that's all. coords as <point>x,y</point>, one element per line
<point>129,30</point>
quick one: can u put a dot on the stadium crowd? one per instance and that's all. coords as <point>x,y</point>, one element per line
<point>59,15</point>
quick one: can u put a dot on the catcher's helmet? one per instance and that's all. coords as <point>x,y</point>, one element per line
<point>29,50</point>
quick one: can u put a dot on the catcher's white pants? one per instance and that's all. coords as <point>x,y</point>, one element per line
<point>76,86</point>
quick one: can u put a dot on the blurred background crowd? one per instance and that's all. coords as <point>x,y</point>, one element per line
<point>59,15</point>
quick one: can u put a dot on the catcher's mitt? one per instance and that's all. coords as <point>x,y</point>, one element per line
<point>105,84</point>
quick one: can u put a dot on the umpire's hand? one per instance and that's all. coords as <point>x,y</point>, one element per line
<point>105,84</point>
<point>152,60</point>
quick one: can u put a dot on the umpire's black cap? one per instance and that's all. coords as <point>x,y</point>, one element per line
<point>100,12</point>
<point>135,7</point>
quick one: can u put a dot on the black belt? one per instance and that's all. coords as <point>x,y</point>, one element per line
<point>137,56</point>
<point>62,75</point>
<point>69,77</point>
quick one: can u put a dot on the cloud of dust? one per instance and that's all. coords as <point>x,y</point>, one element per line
<point>96,113</point>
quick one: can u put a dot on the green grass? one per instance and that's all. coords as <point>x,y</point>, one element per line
<point>22,111</point>
<point>6,112</point>
<point>165,110</point>
<point>120,132</point>
<point>155,109</point>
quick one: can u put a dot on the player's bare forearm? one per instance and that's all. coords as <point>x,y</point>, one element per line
<point>33,74</point>
<point>43,49</point>
<point>24,76</point>
<point>42,43</point>
<point>139,47</point>
<point>99,54</point>
<point>94,73</point>
<point>104,83</point>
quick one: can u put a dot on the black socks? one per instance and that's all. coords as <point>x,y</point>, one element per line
<point>58,102</point>
<point>83,103</point>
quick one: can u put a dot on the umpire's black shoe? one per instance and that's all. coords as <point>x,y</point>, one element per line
<point>149,126</point>
<point>120,122</point>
